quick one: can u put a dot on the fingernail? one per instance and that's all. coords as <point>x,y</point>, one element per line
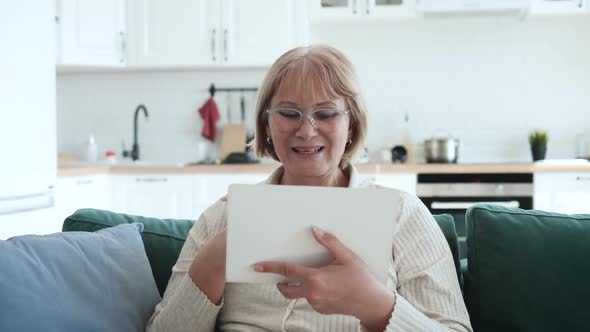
<point>258,268</point>
<point>318,231</point>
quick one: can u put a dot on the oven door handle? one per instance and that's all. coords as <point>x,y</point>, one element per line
<point>465,205</point>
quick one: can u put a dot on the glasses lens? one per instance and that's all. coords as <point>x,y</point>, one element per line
<point>327,119</point>
<point>285,119</point>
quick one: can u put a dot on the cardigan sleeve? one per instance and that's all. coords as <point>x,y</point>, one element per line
<point>428,294</point>
<point>184,307</point>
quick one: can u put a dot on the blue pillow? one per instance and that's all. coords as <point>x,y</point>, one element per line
<point>76,281</point>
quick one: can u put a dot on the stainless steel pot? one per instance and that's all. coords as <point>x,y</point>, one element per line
<point>441,150</point>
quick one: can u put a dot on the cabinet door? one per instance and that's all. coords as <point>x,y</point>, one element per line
<point>368,9</point>
<point>402,181</point>
<point>152,195</point>
<point>257,32</point>
<point>562,192</point>
<point>336,9</point>
<point>92,32</point>
<point>207,189</point>
<point>175,33</point>
<point>390,9</point>
<point>548,7</point>
<point>79,192</point>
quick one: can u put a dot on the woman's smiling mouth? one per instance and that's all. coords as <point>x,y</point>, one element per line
<point>307,149</point>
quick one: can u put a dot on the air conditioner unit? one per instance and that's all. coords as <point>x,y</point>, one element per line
<point>473,7</point>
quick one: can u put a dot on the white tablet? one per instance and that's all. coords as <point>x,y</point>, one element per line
<point>273,223</point>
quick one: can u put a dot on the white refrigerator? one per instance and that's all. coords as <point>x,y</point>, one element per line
<point>28,163</point>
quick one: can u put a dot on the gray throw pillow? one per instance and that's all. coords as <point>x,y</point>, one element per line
<point>76,281</point>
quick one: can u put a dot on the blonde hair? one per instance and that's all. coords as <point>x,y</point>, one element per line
<point>316,66</point>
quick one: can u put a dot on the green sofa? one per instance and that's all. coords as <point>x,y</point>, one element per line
<point>525,270</point>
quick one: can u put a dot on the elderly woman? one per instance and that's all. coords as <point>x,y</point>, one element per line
<point>312,119</point>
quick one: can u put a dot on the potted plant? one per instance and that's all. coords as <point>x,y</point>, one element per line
<point>538,140</point>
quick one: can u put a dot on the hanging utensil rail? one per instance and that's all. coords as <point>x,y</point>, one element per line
<point>213,89</point>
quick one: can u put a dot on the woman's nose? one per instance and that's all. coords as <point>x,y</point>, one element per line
<point>307,127</point>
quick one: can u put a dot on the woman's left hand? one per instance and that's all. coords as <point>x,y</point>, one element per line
<point>343,287</point>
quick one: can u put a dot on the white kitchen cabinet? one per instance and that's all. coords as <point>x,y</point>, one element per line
<point>335,9</point>
<point>562,192</point>
<point>214,32</point>
<point>208,188</point>
<point>366,9</point>
<point>403,181</point>
<point>38,222</point>
<point>91,32</point>
<point>153,195</point>
<point>250,38</point>
<point>79,192</point>
<point>180,32</point>
<point>391,9</point>
<point>559,7</point>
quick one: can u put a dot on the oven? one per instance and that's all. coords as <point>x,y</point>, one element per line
<point>455,193</point>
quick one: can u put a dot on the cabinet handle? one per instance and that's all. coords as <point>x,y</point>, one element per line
<point>583,178</point>
<point>213,33</point>
<point>354,7</point>
<point>151,179</point>
<point>225,33</point>
<point>84,182</point>
<point>123,46</point>
<point>368,10</point>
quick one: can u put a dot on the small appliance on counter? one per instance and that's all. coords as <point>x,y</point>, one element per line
<point>399,154</point>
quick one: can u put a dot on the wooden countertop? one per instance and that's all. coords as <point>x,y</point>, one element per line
<point>80,170</point>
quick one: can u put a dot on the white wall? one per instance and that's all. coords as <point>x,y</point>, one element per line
<point>485,81</point>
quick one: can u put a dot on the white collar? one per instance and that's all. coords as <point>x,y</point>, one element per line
<point>354,180</point>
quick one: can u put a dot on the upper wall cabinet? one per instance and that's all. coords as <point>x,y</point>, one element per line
<point>214,32</point>
<point>367,9</point>
<point>91,32</point>
<point>258,32</point>
<point>556,7</point>
<point>181,32</point>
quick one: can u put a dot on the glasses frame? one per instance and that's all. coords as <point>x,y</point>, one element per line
<point>310,117</point>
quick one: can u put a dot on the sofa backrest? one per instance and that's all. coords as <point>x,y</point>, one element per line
<point>528,270</point>
<point>447,225</point>
<point>163,238</point>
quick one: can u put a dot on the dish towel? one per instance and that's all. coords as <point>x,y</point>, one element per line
<point>210,115</point>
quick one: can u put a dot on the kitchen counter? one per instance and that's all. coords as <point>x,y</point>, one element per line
<point>542,167</point>
<point>266,168</point>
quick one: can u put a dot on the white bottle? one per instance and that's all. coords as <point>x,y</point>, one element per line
<point>91,154</point>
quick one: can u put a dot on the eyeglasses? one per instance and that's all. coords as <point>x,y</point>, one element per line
<point>290,119</point>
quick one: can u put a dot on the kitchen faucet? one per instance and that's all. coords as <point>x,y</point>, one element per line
<point>135,149</point>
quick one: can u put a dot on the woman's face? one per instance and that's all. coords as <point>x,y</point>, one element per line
<point>305,150</point>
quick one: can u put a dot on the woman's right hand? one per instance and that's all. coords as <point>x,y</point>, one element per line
<point>208,268</point>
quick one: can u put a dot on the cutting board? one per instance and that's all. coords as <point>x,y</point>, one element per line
<point>233,139</point>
